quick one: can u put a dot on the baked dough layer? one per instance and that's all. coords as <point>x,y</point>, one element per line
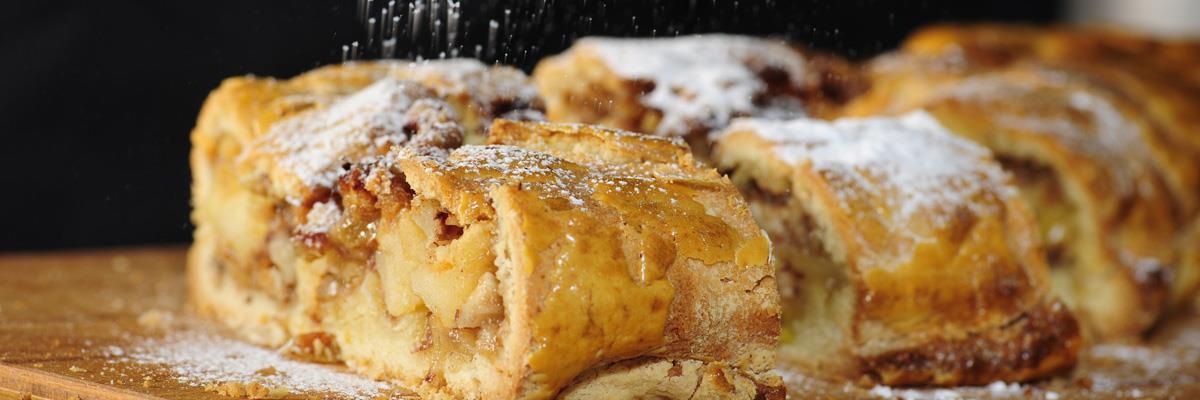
<point>904,254</point>
<point>351,225</point>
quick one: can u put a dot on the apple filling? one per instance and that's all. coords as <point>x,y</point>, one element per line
<point>816,295</point>
<point>404,277</point>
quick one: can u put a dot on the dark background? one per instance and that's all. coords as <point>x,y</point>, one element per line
<point>97,97</point>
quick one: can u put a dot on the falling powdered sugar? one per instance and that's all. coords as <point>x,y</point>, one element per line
<point>487,86</point>
<point>201,359</point>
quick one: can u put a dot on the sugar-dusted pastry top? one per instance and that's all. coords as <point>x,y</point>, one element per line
<point>309,151</point>
<point>487,90</point>
<point>903,181</point>
<point>245,108</point>
<point>591,172</point>
<point>689,86</point>
<point>709,78</point>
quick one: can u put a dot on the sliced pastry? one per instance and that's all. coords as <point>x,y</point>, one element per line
<point>1099,46</point>
<point>689,86</point>
<point>1142,71</point>
<point>556,261</point>
<point>1100,175</point>
<point>904,254</point>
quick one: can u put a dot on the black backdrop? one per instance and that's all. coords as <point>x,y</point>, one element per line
<point>97,97</point>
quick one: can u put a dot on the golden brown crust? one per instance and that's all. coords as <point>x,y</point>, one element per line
<point>1097,133</point>
<point>1039,343</point>
<point>997,44</point>
<point>498,271</point>
<point>689,86</point>
<point>1145,72</point>
<point>924,237</point>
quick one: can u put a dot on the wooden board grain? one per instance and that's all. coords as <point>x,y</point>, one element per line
<point>59,311</point>
<point>68,318</point>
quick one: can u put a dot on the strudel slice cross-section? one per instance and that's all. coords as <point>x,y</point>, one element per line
<point>905,255</point>
<point>560,260</point>
<point>689,86</point>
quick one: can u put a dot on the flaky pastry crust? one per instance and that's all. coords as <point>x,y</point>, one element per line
<point>904,254</point>
<point>1100,140</point>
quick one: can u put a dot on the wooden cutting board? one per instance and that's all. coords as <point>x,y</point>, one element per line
<point>113,324</point>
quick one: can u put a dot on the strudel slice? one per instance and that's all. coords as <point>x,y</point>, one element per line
<point>1095,169</point>
<point>689,86</point>
<point>559,260</point>
<point>904,254</point>
<point>1149,72</point>
<point>1107,47</point>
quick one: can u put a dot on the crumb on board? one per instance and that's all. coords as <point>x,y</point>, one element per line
<point>156,319</point>
<point>252,390</point>
<point>76,369</point>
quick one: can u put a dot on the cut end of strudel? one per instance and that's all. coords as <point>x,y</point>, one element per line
<point>689,86</point>
<point>904,254</point>
<point>558,260</point>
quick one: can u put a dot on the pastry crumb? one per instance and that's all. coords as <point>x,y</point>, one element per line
<point>252,390</point>
<point>156,319</point>
<point>76,369</point>
<point>314,347</point>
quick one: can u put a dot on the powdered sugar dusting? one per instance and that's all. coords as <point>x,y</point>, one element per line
<point>321,218</point>
<point>312,147</point>
<point>703,79</point>
<point>482,168</point>
<point>200,359</point>
<point>911,162</point>
<point>494,165</point>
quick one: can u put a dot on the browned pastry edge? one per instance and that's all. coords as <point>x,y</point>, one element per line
<point>1041,342</point>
